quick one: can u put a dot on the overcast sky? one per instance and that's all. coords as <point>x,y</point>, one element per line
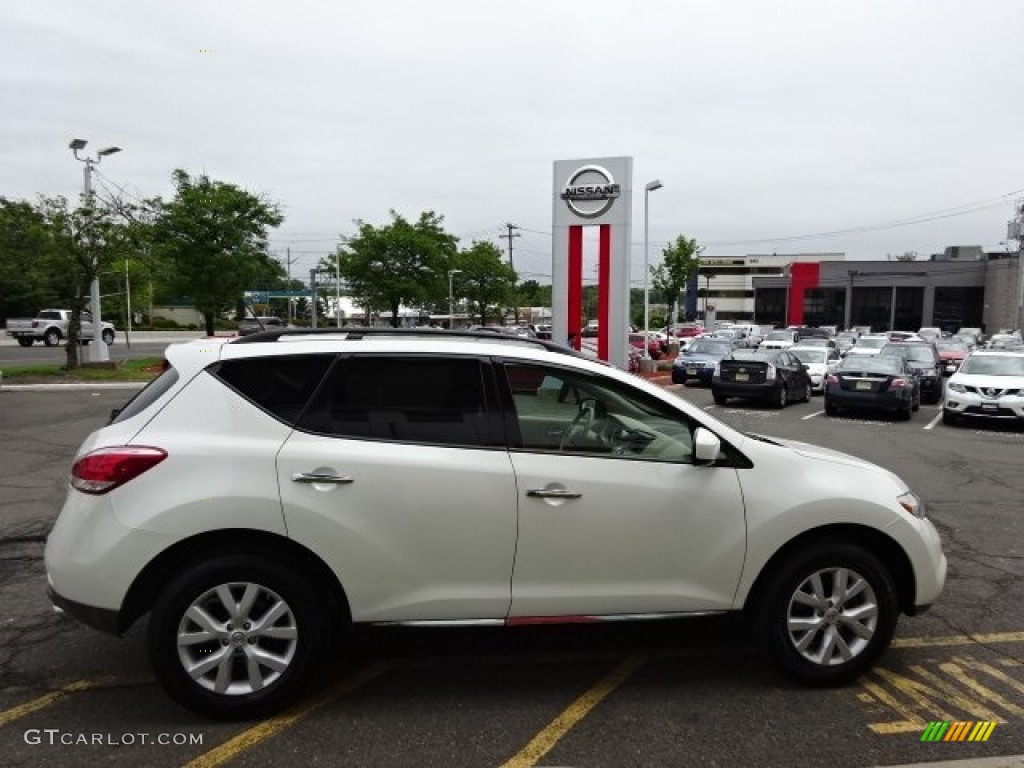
<point>764,120</point>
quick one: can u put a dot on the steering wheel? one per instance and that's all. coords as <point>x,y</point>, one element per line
<point>589,421</point>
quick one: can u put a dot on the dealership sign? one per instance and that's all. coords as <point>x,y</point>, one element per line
<point>590,191</point>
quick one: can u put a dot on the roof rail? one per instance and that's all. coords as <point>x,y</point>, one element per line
<point>356,332</point>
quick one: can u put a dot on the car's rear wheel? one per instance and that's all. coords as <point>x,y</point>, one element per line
<point>781,397</point>
<point>51,338</point>
<point>237,637</point>
<point>808,393</point>
<point>830,409</point>
<point>108,337</point>
<point>25,341</point>
<point>719,399</point>
<point>903,412</point>
<point>825,617</point>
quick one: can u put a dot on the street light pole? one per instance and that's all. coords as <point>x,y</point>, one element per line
<point>451,298</point>
<point>649,187</point>
<point>97,347</point>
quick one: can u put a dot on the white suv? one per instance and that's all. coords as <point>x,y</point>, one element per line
<point>989,385</point>
<point>264,491</point>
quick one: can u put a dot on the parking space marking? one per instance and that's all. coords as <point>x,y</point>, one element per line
<point>931,424</point>
<point>250,737</point>
<point>948,690</point>
<point>955,640</point>
<point>812,415</point>
<point>15,713</point>
<point>545,741</point>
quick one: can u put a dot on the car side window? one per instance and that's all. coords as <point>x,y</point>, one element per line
<point>432,400</point>
<point>281,384</point>
<point>568,412</point>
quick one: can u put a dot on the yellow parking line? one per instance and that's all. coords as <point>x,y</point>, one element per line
<point>250,737</point>
<point>15,713</point>
<point>545,741</point>
<point>954,640</point>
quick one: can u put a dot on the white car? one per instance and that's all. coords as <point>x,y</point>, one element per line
<point>989,385</point>
<point>869,345</point>
<point>263,492</point>
<point>778,340</point>
<point>819,362</point>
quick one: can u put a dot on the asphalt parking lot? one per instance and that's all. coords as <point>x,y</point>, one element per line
<point>687,693</point>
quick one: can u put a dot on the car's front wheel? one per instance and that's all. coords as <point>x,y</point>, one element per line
<point>237,637</point>
<point>826,616</point>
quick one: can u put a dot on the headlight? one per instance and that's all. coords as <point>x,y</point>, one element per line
<point>954,387</point>
<point>912,503</point>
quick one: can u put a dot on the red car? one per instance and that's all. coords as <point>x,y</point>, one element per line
<point>653,345</point>
<point>952,353</point>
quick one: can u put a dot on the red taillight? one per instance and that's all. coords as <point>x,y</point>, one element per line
<point>898,383</point>
<point>769,374</point>
<point>832,379</point>
<point>104,470</point>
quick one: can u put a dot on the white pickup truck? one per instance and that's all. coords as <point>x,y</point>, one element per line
<point>51,325</point>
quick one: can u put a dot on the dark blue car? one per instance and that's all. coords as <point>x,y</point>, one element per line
<point>698,362</point>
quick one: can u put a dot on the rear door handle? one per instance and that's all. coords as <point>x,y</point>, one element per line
<point>552,493</point>
<point>312,477</point>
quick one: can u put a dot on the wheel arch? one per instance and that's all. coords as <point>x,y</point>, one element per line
<point>145,590</point>
<point>888,552</point>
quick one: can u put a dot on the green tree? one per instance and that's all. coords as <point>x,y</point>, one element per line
<point>679,262</point>
<point>533,294</point>
<point>213,235</point>
<point>401,263</point>
<point>484,280</point>
<point>84,243</point>
<point>25,281</point>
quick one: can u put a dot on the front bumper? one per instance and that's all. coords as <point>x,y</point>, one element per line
<point>683,373</point>
<point>1006,408</point>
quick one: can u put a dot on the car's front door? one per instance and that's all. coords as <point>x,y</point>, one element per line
<point>614,517</point>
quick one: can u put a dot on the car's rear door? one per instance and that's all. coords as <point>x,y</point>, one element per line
<point>398,477</point>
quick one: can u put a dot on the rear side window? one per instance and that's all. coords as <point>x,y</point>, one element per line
<point>281,385</point>
<point>433,400</point>
<point>147,396</point>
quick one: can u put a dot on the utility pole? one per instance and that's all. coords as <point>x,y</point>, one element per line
<point>312,294</point>
<point>512,233</point>
<point>288,261</point>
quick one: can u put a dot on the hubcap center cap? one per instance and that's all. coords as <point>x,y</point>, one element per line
<point>237,639</point>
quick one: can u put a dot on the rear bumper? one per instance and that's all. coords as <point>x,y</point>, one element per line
<point>887,401</point>
<point>98,618</point>
<point>766,391</point>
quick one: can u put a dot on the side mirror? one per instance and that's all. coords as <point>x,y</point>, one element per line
<point>706,446</point>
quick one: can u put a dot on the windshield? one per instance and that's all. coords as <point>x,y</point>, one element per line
<point>917,354</point>
<point>996,365</point>
<point>872,364</point>
<point>704,347</point>
<point>872,343</point>
<point>809,356</point>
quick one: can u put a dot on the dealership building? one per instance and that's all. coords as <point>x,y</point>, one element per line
<point>963,286</point>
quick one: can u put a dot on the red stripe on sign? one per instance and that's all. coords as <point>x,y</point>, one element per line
<point>519,621</point>
<point>604,274</point>
<point>575,308</point>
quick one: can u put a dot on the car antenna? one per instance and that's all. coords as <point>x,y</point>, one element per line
<point>254,317</point>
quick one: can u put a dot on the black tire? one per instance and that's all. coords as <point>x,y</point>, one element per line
<point>808,393</point>
<point>51,338</point>
<point>305,616</point>
<point>826,560</point>
<point>949,418</point>
<point>903,413</point>
<point>916,402</point>
<point>830,409</point>
<point>781,397</point>
<point>108,337</point>
<point>25,341</point>
<point>719,399</point>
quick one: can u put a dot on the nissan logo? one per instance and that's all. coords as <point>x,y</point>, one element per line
<point>590,192</point>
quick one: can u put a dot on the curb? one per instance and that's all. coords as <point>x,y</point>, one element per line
<point>1003,761</point>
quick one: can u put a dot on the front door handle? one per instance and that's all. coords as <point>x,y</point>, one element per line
<point>552,493</point>
<point>313,477</point>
